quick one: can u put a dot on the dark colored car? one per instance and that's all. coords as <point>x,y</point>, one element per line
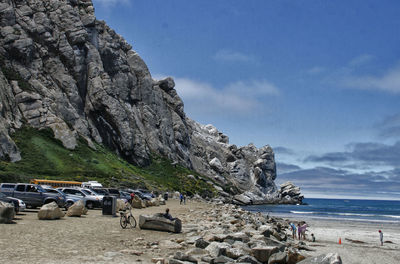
<point>33,195</point>
<point>13,201</point>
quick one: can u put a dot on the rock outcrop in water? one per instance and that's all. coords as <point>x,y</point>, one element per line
<point>290,194</point>
<point>62,69</point>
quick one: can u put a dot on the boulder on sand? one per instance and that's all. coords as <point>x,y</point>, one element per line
<point>50,211</point>
<point>137,202</point>
<point>7,213</point>
<point>120,205</point>
<point>77,209</point>
<point>160,223</point>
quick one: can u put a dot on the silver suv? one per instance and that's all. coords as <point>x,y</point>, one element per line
<point>90,201</point>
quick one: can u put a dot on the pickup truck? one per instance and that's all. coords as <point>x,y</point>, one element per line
<point>32,194</point>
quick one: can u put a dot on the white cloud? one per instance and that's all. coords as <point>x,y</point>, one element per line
<point>388,82</point>
<point>361,60</point>
<point>111,3</point>
<point>233,56</point>
<point>240,97</point>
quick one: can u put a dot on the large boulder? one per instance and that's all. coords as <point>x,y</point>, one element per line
<point>217,249</point>
<point>278,258</point>
<point>50,211</point>
<point>290,194</point>
<point>160,223</point>
<point>120,205</point>
<point>77,209</point>
<point>330,258</point>
<point>137,203</point>
<point>262,254</point>
<point>7,213</point>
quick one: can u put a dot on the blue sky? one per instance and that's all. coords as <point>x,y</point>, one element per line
<point>319,81</point>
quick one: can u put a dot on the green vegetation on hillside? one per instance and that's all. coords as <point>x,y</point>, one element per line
<point>44,157</point>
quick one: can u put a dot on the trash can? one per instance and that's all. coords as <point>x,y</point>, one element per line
<point>109,205</point>
<point>166,196</point>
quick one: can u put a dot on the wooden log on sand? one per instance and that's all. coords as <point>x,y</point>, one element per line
<point>160,223</point>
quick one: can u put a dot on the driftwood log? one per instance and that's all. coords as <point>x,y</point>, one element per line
<point>160,223</point>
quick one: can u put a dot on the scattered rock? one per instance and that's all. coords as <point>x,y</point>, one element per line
<point>50,211</point>
<point>77,209</point>
<point>7,213</point>
<point>262,254</point>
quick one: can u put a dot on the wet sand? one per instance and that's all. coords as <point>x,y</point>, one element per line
<point>328,233</point>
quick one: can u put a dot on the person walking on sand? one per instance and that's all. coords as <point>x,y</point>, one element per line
<point>181,198</point>
<point>381,237</point>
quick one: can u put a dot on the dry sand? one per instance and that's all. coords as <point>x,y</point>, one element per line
<point>100,239</point>
<point>88,239</point>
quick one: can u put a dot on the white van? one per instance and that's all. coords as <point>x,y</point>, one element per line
<point>92,184</point>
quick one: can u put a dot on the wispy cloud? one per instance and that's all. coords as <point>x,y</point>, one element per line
<point>361,60</point>
<point>227,55</point>
<point>239,97</point>
<point>390,127</point>
<point>111,3</point>
<point>388,82</point>
<point>362,156</point>
<point>283,151</point>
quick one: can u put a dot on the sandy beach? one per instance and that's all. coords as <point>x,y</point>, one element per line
<point>328,233</point>
<point>100,239</point>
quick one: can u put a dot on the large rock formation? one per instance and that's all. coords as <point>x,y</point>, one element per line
<point>62,69</point>
<point>290,194</point>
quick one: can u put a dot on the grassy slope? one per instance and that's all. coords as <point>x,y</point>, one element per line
<point>44,157</point>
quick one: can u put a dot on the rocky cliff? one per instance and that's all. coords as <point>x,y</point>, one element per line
<point>62,69</point>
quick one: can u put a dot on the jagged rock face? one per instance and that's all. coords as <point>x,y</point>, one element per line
<point>73,74</point>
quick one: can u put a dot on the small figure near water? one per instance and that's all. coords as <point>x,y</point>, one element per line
<point>293,228</point>
<point>381,237</point>
<point>301,231</point>
<point>312,238</point>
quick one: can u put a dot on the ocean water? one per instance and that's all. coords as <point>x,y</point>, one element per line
<point>336,209</point>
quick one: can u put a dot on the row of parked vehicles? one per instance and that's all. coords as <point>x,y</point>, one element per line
<point>28,195</point>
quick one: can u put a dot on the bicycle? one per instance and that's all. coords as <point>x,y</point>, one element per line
<point>127,218</point>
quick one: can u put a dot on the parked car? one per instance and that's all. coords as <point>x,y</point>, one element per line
<point>93,193</point>
<point>13,201</point>
<point>143,195</point>
<point>91,184</point>
<point>90,201</point>
<point>124,195</point>
<point>100,191</point>
<point>7,187</point>
<point>147,192</point>
<point>69,199</point>
<point>33,195</point>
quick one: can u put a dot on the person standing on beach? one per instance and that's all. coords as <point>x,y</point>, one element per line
<point>381,237</point>
<point>293,228</point>
<point>181,198</point>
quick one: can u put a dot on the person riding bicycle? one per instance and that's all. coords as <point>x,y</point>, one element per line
<point>132,195</point>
